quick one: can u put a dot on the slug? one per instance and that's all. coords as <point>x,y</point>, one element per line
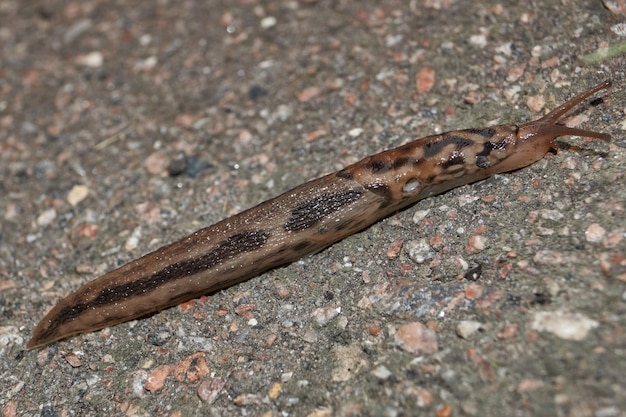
<point>304,220</point>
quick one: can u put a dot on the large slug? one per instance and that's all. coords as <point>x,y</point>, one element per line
<point>303,220</point>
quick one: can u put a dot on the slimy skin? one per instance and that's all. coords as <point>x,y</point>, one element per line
<point>302,221</point>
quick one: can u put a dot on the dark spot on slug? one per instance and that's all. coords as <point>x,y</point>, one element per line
<point>482,161</point>
<point>300,246</point>
<point>345,175</point>
<point>313,211</point>
<point>377,166</point>
<point>233,245</point>
<point>432,149</point>
<point>482,157</point>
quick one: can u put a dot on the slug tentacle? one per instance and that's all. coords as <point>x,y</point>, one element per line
<point>302,221</point>
<point>547,128</point>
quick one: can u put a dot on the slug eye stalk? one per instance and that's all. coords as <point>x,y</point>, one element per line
<point>534,139</point>
<point>547,128</point>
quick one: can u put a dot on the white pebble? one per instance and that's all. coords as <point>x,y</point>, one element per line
<point>325,314</point>
<point>356,132</point>
<point>420,215</point>
<point>381,372</point>
<point>466,328</point>
<point>46,217</point>
<point>93,59</point>
<point>568,326</point>
<point>478,40</point>
<point>419,250</point>
<point>268,22</point>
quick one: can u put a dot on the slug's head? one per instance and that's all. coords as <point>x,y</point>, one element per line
<point>438,163</point>
<point>535,139</point>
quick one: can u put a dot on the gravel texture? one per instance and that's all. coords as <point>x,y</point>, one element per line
<point>127,125</point>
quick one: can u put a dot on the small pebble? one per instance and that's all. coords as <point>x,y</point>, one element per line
<point>548,257</point>
<point>73,360</point>
<point>309,94</point>
<point>466,328</point>
<point>247,399</point>
<point>419,250</point>
<point>535,103</point>
<point>139,378</point>
<point>420,215</point>
<point>325,314</point>
<point>157,163</point>
<point>274,391</point>
<point>595,233</point>
<point>192,369</point>
<point>568,326</point>
<point>93,59</point>
<point>417,338</point>
<point>478,40</point>
<point>159,337</point>
<point>146,64</point>
<point>381,372</point>
<point>394,249</point>
<point>356,132</point>
<point>425,80</point>
<point>46,217</point>
<point>256,92</point>
<point>77,194</point>
<point>209,390</point>
<point>156,379</point>
<point>178,165</point>
<point>548,214</point>
<point>476,243</point>
<point>268,22</point>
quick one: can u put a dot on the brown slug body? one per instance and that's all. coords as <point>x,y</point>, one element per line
<point>303,220</point>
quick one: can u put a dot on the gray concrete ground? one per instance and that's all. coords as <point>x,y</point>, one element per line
<point>127,125</point>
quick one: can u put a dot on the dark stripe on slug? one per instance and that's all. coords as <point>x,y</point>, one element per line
<point>455,159</point>
<point>485,133</point>
<point>432,149</point>
<point>233,245</point>
<point>487,148</point>
<point>382,190</point>
<point>313,211</point>
<point>399,163</point>
<point>454,172</point>
<point>378,166</point>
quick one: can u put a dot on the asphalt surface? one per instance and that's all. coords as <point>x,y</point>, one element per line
<point>125,126</point>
